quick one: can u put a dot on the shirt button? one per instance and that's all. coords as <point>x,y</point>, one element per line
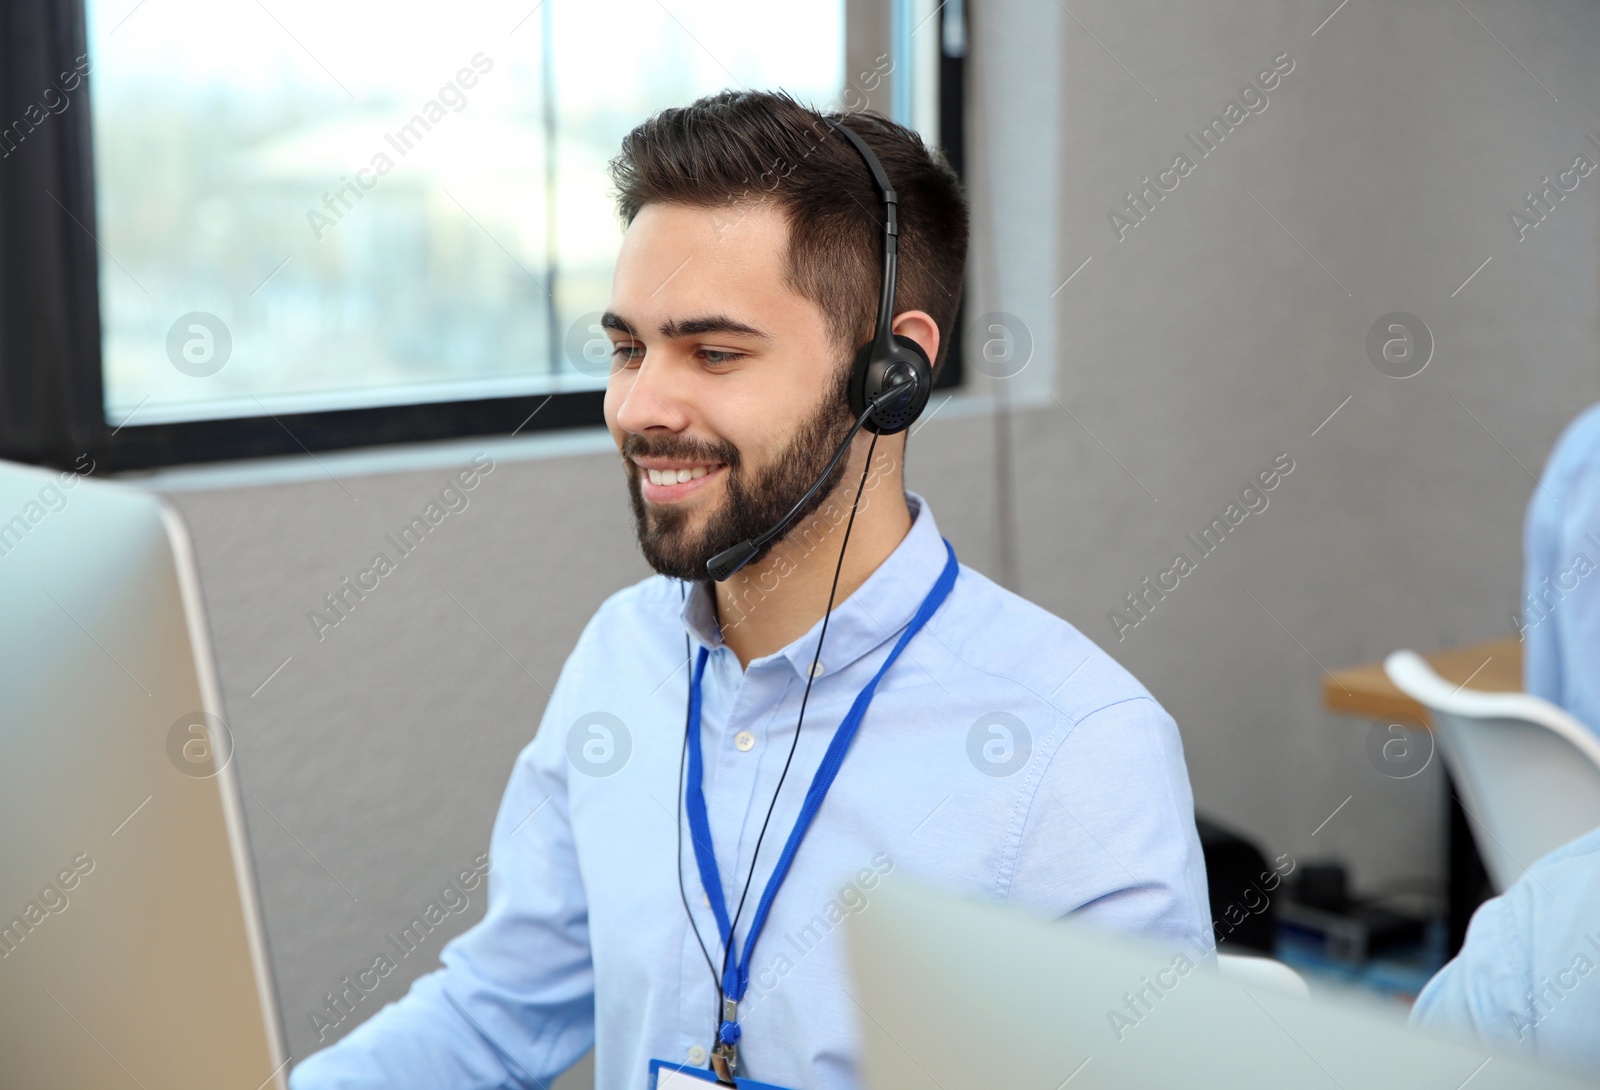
<point>697,1055</point>
<point>745,741</point>
<point>817,669</point>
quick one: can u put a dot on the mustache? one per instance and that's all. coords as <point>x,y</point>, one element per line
<point>681,448</point>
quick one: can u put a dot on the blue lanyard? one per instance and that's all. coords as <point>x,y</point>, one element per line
<point>736,977</point>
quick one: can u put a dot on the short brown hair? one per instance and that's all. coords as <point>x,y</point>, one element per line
<point>738,147</point>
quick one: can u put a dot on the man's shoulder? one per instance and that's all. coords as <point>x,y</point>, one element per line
<point>1559,896</point>
<point>629,618</point>
<point>997,632</point>
<point>1542,913</point>
<point>1580,856</point>
<point>645,601</point>
<point>635,612</point>
<point>1577,451</point>
<point>649,595</point>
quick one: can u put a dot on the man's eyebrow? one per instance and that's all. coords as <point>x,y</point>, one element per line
<point>673,329</point>
<point>711,323</point>
<point>611,320</point>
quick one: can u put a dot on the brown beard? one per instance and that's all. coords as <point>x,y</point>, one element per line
<point>755,498</point>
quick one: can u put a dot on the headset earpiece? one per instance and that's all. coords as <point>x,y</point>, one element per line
<point>873,373</point>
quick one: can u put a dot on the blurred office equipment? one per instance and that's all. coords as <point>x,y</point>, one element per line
<point>131,949</point>
<point>1527,772</point>
<point>1241,890</point>
<point>955,993</point>
<point>1322,917</point>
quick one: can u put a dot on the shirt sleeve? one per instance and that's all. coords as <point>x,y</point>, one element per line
<point>1481,994</point>
<point>1559,610</point>
<point>513,1003</point>
<point>1521,982</point>
<point>1110,835</point>
<point>1541,530</point>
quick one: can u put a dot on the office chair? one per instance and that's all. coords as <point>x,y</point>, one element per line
<point>1526,772</point>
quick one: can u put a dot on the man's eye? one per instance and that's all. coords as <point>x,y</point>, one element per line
<point>627,352</point>
<point>717,358</point>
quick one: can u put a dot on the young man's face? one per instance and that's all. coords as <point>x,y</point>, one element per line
<point>719,369</point>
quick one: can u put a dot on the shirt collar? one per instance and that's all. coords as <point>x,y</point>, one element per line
<point>879,608</point>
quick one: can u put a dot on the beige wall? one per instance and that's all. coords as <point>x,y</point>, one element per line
<point>1190,354</point>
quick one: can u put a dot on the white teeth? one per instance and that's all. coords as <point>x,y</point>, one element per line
<point>676,476</point>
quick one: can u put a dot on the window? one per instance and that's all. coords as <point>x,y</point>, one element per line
<point>333,224</point>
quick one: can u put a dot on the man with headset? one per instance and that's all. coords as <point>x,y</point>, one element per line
<point>812,692</point>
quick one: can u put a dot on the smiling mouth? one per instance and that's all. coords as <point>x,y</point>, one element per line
<point>679,476</point>
<point>675,483</point>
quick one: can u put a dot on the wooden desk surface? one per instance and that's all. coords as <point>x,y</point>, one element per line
<point>1365,690</point>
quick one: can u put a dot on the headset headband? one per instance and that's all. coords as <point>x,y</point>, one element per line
<point>882,338</point>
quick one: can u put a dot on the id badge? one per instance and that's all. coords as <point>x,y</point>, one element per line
<point>665,1075</point>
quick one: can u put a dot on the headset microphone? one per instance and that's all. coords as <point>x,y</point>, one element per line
<point>890,379</point>
<point>731,560</point>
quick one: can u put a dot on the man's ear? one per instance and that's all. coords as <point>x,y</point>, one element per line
<point>920,327</point>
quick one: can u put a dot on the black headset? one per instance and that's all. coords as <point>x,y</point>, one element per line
<point>890,379</point>
<point>888,359</point>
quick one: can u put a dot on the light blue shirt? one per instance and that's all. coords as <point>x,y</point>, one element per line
<point>1527,979</point>
<point>1561,581</point>
<point>1004,755</point>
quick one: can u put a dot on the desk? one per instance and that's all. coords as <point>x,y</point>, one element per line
<point>1366,691</point>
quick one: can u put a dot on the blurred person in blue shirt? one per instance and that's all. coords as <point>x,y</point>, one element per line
<point>1527,979</point>
<point>1560,614</point>
<point>1003,754</point>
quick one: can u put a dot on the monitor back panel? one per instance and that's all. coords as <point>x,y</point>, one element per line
<point>958,994</point>
<point>130,943</point>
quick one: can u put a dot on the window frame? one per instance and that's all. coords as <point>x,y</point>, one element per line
<point>52,394</point>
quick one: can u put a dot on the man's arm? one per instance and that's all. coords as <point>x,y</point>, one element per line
<point>1524,979</point>
<point>1482,994</point>
<point>1110,835</point>
<point>513,1004</point>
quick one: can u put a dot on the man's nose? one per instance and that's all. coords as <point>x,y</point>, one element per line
<point>652,398</point>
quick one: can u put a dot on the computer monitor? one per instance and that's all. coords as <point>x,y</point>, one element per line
<point>956,994</point>
<point>131,946</point>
